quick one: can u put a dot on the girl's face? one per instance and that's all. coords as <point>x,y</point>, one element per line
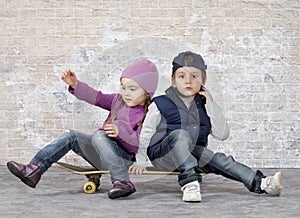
<point>188,81</point>
<point>132,93</point>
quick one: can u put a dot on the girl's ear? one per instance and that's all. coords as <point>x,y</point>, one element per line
<point>147,97</point>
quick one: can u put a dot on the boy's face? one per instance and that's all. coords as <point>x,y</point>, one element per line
<point>188,81</point>
<point>132,93</point>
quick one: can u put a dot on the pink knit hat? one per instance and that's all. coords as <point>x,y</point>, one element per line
<point>145,73</point>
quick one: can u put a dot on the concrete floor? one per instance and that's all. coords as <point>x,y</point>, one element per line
<point>60,194</point>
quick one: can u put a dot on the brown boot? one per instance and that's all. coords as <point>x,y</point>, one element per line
<point>30,174</point>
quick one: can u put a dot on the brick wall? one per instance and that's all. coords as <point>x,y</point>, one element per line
<point>251,48</point>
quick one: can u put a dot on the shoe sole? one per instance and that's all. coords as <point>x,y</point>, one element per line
<point>121,193</point>
<point>192,200</point>
<point>195,198</point>
<point>279,179</point>
<point>16,172</point>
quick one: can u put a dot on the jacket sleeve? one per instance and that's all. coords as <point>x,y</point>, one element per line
<point>219,129</point>
<point>90,95</point>
<point>151,121</point>
<point>127,137</point>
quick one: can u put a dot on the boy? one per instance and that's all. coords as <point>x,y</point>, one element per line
<point>176,129</point>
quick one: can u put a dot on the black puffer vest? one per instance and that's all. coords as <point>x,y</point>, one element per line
<point>175,115</point>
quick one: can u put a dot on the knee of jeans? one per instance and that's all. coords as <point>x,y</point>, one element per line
<point>184,140</point>
<point>98,139</point>
<point>71,132</point>
<point>222,158</point>
<point>181,135</point>
<point>67,134</point>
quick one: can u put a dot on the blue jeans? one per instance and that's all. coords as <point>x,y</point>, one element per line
<point>87,146</point>
<point>112,156</point>
<point>177,152</point>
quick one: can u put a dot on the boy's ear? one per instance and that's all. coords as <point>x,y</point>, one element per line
<point>173,81</point>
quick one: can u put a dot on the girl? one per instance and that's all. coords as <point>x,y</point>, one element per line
<point>111,147</point>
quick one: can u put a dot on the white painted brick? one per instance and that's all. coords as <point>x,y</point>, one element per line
<point>252,49</point>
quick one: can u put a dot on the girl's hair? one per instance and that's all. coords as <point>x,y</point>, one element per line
<point>146,104</point>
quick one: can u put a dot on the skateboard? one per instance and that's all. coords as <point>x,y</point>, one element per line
<point>93,175</point>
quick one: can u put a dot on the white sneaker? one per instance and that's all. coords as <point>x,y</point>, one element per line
<point>272,184</point>
<point>191,192</point>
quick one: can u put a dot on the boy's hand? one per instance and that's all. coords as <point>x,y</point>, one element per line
<point>138,170</point>
<point>111,130</point>
<point>206,94</point>
<point>70,78</point>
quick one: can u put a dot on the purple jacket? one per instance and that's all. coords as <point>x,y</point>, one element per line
<point>127,117</point>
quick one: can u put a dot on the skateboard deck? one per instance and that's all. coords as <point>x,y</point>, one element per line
<point>94,175</point>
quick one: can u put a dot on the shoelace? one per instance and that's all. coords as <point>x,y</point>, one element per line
<point>269,182</point>
<point>192,188</point>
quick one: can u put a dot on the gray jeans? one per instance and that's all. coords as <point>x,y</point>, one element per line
<point>177,152</point>
<point>98,149</point>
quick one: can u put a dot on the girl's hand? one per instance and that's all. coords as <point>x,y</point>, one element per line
<point>111,130</point>
<point>70,78</point>
<point>206,94</point>
<point>138,170</point>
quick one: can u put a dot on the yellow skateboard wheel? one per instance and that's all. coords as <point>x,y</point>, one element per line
<point>89,187</point>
